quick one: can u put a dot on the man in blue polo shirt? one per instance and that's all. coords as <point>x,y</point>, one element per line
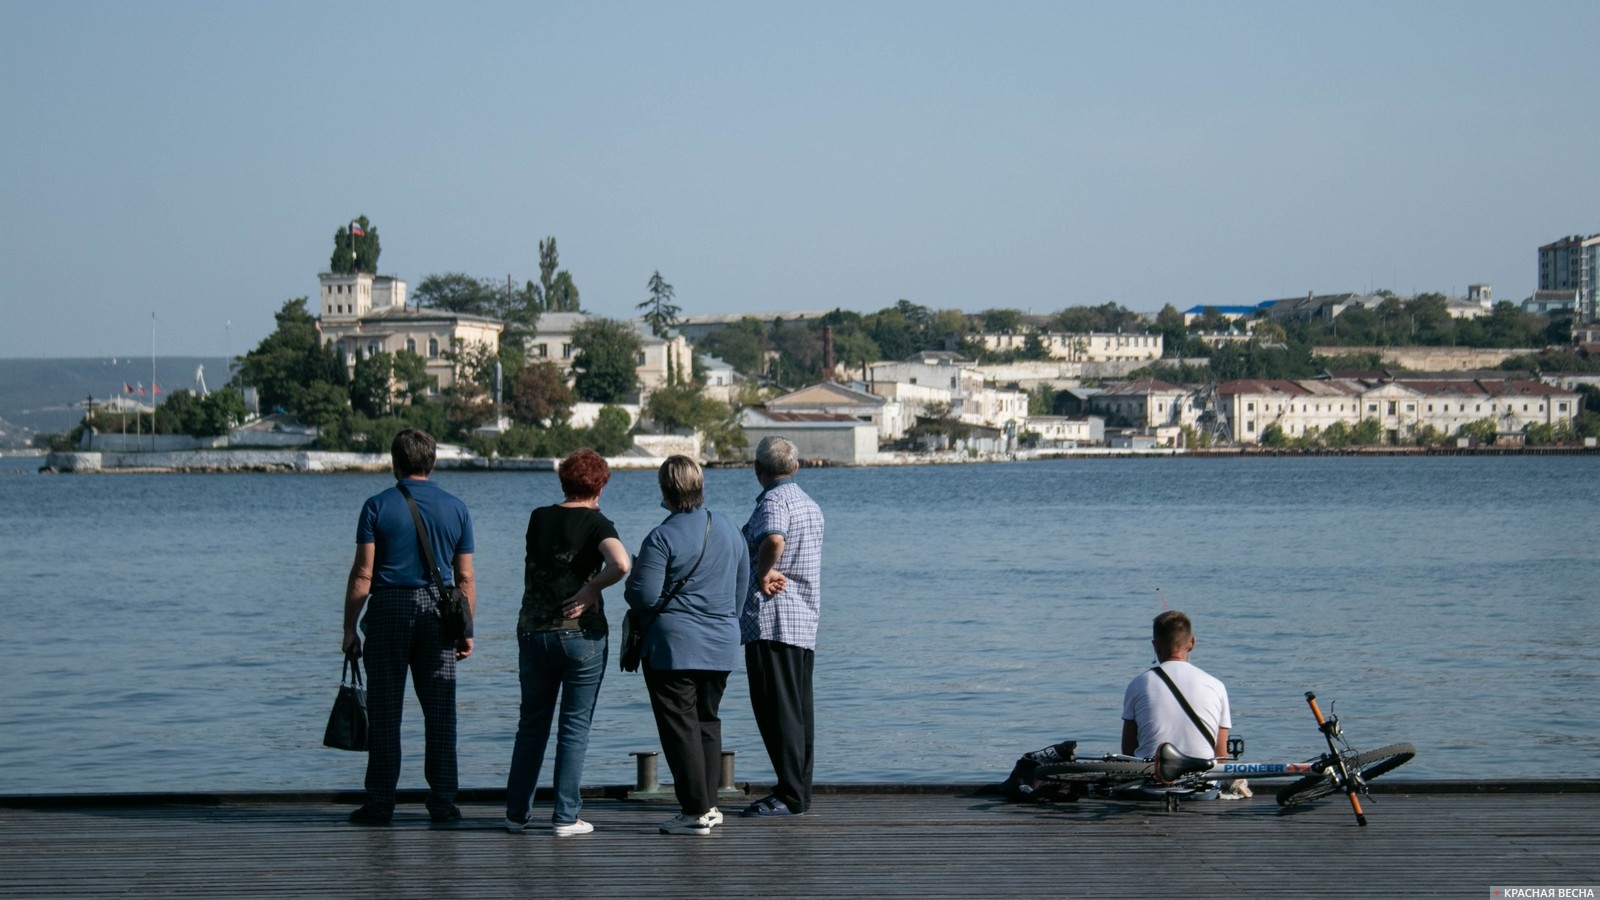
<point>779,624</point>
<point>391,579</point>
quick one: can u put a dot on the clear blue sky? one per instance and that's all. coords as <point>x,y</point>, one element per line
<point>193,159</point>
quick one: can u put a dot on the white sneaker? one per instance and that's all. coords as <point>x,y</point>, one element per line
<point>714,817</point>
<point>686,824</point>
<point>578,827</point>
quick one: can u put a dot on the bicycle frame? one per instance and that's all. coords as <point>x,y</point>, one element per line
<point>1341,769</point>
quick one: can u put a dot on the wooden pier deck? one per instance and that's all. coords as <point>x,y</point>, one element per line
<point>856,843</point>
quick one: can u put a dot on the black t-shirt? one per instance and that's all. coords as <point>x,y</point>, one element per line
<point>563,553</point>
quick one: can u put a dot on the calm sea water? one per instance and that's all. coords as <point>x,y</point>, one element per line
<point>181,632</point>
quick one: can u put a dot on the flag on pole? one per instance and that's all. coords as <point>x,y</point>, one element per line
<point>127,388</point>
<point>155,388</point>
<point>356,230</point>
<point>140,390</point>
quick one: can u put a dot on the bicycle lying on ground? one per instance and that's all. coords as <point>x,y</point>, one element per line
<point>1341,770</point>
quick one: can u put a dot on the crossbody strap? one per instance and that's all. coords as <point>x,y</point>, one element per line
<point>661,607</point>
<point>1211,739</point>
<point>422,541</point>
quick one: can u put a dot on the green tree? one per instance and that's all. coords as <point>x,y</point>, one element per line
<point>460,293</point>
<point>289,361</point>
<point>539,395</point>
<point>660,312</point>
<point>1041,400</point>
<point>609,433</point>
<point>1367,433</point>
<point>1482,431</point>
<point>605,364</point>
<point>555,291</point>
<point>1001,320</point>
<point>799,349</point>
<point>411,370</point>
<point>372,385</point>
<point>1273,436</point>
<point>740,344</point>
<point>355,250</point>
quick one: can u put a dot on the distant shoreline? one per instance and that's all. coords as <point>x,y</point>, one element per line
<point>316,461</point>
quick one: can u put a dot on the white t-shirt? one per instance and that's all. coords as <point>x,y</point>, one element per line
<point>1149,703</point>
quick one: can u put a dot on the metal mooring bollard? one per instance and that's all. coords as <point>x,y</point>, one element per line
<point>725,785</point>
<point>645,778</point>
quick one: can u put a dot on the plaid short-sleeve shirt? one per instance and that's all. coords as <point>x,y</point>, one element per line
<point>790,617</point>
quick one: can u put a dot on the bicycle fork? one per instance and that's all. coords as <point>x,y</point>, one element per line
<point>1330,729</point>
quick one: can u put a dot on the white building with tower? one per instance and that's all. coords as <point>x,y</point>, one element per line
<point>362,314</point>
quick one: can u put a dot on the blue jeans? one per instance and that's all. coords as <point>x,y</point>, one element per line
<point>571,664</point>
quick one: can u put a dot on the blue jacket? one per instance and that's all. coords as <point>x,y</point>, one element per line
<point>700,627</point>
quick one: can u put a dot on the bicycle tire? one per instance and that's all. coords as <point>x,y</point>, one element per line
<point>1095,771</point>
<point>1366,766</point>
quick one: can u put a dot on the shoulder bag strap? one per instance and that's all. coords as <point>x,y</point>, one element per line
<point>422,541</point>
<point>660,607</point>
<point>1211,739</point>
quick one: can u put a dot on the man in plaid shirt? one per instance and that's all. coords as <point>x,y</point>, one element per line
<point>779,624</point>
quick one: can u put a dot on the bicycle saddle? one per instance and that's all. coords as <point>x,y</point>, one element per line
<point>1172,765</point>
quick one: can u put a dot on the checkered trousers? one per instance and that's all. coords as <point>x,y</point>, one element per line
<point>790,617</point>
<point>402,633</point>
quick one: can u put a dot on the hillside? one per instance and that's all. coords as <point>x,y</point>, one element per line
<point>44,394</point>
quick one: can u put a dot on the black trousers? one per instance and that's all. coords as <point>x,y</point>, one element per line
<point>685,703</point>
<point>780,694</point>
<point>402,634</point>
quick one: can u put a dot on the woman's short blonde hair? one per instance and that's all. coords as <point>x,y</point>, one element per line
<point>683,486</point>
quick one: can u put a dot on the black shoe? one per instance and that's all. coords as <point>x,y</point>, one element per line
<point>453,814</point>
<point>365,816</point>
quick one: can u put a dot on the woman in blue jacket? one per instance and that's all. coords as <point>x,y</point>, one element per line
<point>690,575</point>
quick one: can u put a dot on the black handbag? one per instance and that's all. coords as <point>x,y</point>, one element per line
<point>455,613</point>
<point>634,624</point>
<point>347,724</point>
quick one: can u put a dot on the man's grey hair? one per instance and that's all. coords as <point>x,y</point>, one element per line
<point>777,456</point>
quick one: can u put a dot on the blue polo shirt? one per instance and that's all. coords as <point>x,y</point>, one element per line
<point>386,522</point>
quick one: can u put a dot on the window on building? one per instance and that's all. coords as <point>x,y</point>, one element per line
<point>372,348</point>
<point>411,345</point>
<point>1561,407</point>
<point>433,348</point>
<point>1249,407</point>
<point>1250,426</point>
<point>639,360</point>
<point>542,351</point>
<point>1372,407</point>
<point>566,351</point>
<point>339,349</point>
<point>1391,407</point>
<point>1411,407</point>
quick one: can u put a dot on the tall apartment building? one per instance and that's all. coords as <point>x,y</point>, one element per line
<point>1572,264</point>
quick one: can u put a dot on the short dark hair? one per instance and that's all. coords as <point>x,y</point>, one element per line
<point>1170,630</point>
<point>583,473</point>
<point>414,453</point>
<point>683,487</point>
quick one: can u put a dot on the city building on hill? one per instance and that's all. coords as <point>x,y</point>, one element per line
<point>1231,313</point>
<point>1553,301</point>
<point>362,314</point>
<point>1313,306</point>
<point>832,398</point>
<point>1402,407</point>
<point>658,357</point>
<point>1076,347</point>
<point>1063,432</point>
<point>821,437</point>
<point>696,327</point>
<point>1144,403</point>
<point>1572,263</point>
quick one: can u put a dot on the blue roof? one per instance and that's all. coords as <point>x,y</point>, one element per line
<point>1225,310</point>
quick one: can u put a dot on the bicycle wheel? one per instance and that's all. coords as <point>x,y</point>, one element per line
<point>1094,771</point>
<point>1365,766</point>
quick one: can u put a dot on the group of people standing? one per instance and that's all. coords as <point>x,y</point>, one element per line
<point>702,586</point>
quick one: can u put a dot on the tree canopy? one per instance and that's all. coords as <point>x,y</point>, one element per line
<point>659,311</point>
<point>355,250</point>
<point>605,364</point>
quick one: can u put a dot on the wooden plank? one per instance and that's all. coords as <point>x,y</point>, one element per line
<point>854,844</point>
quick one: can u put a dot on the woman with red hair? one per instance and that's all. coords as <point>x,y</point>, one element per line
<point>573,553</point>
